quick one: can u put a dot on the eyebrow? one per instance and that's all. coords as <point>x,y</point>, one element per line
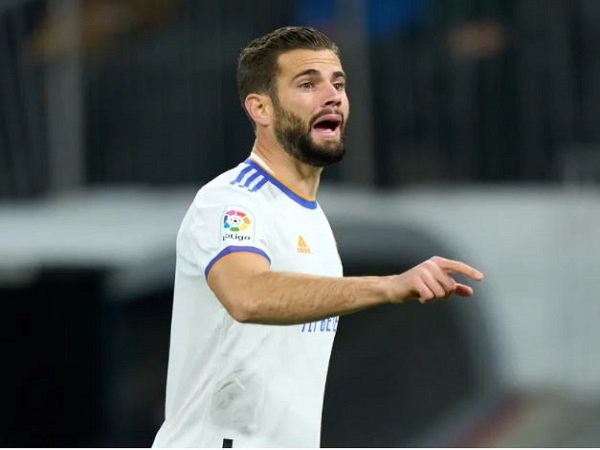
<point>336,74</point>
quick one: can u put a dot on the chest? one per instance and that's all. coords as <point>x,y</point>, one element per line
<point>302,241</point>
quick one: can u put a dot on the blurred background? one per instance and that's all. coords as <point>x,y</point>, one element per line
<point>475,134</point>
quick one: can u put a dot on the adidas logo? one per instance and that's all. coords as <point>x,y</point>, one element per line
<point>302,246</point>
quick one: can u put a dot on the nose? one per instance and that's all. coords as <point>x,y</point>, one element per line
<point>333,96</point>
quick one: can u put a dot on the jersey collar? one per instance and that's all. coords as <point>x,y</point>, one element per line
<point>259,164</point>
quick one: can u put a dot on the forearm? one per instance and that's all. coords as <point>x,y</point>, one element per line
<point>252,293</point>
<point>289,298</point>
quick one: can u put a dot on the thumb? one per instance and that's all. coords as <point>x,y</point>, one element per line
<point>463,290</point>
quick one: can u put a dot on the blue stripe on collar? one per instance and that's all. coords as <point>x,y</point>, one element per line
<point>310,204</point>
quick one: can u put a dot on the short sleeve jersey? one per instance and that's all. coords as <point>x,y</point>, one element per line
<point>256,385</point>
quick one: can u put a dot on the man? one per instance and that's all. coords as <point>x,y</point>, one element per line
<point>257,261</point>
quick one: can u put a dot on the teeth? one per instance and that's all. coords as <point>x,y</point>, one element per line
<point>326,130</point>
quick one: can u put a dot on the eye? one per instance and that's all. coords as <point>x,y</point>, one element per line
<point>339,85</point>
<point>307,85</point>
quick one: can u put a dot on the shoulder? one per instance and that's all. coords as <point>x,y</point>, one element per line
<point>241,186</point>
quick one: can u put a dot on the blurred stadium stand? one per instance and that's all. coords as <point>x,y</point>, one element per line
<point>87,297</point>
<point>87,305</point>
<point>463,91</point>
<point>475,134</point>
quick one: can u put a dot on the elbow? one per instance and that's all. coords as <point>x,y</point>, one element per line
<point>240,315</point>
<point>243,311</point>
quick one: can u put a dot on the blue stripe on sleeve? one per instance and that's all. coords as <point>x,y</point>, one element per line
<point>260,184</point>
<point>234,249</point>
<point>241,175</point>
<point>251,178</point>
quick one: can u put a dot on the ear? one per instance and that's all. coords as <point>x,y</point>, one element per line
<point>259,109</point>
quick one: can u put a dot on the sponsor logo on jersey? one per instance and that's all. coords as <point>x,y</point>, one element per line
<point>328,325</point>
<point>302,246</point>
<point>237,226</point>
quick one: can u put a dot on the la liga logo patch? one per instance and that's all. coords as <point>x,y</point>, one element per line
<point>235,221</point>
<point>237,225</point>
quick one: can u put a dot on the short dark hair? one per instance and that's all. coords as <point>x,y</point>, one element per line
<point>257,64</point>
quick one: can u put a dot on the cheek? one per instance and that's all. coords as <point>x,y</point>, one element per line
<point>346,102</point>
<point>301,104</point>
<point>346,108</point>
<point>302,110</point>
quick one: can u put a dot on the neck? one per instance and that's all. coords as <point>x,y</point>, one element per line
<point>304,178</point>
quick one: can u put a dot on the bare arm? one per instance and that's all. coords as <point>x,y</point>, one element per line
<point>252,293</point>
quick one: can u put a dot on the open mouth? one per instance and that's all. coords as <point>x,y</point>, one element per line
<point>328,124</point>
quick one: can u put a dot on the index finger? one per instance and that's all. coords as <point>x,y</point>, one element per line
<point>452,266</point>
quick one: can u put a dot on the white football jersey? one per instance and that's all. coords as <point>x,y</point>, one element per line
<point>246,385</point>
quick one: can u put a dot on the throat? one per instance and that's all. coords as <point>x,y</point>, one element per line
<point>298,177</point>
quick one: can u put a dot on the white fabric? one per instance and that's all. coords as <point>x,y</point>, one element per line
<point>259,385</point>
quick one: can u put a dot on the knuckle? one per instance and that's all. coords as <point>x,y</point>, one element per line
<point>449,283</point>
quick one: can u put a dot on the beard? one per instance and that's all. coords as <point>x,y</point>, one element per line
<point>294,136</point>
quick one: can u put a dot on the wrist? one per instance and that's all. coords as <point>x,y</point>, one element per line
<point>395,289</point>
<point>385,289</point>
